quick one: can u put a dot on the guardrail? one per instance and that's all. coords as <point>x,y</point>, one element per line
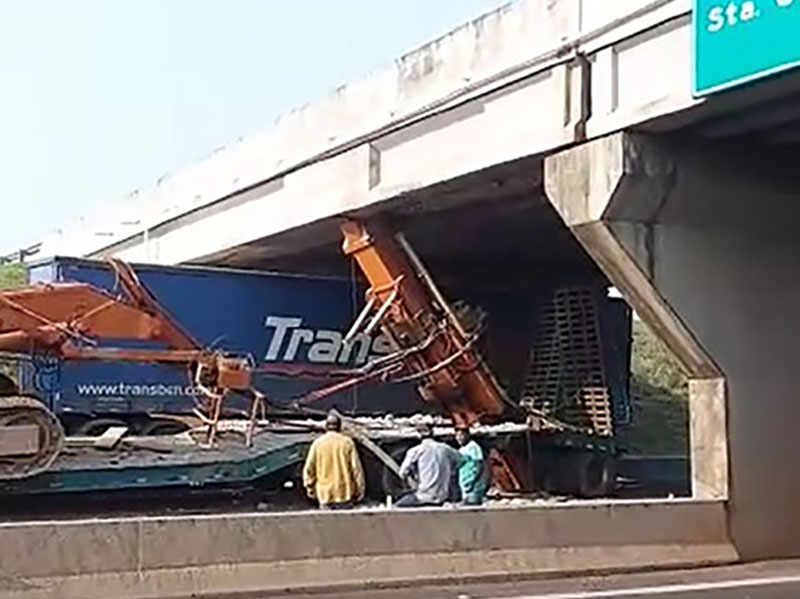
<point>21,255</point>
<point>228,554</point>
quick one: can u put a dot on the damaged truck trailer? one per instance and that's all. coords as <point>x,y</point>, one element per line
<point>564,351</point>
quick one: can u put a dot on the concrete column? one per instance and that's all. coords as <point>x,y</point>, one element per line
<point>701,241</point>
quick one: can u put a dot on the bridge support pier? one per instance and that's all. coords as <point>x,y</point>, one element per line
<point>702,241</point>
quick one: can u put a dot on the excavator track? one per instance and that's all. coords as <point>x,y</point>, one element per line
<point>30,437</point>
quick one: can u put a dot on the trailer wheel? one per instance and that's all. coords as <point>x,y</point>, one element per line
<point>163,426</point>
<point>597,475</point>
<point>96,427</point>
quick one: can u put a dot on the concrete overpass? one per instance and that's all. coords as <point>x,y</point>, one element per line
<point>556,135</point>
<point>519,82</point>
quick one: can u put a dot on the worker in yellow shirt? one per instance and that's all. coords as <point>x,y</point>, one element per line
<point>333,474</point>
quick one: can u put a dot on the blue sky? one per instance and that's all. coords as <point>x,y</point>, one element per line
<point>99,97</point>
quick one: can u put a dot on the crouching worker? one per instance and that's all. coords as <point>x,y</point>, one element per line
<point>433,465</point>
<point>473,478</point>
<point>333,474</point>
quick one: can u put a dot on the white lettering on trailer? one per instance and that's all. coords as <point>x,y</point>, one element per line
<point>363,342</point>
<point>382,345</point>
<point>324,346</point>
<point>298,336</point>
<point>281,325</point>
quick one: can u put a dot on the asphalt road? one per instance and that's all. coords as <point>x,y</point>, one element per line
<point>778,580</point>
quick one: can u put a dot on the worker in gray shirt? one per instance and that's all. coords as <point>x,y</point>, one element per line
<point>434,465</point>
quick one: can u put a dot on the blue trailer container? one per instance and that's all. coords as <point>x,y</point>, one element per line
<point>276,318</point>
<point>287,319</point>
<point>280,319</point>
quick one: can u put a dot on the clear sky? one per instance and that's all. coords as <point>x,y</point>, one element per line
<point>100,97</point>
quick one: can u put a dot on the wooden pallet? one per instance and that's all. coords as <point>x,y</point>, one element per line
<point>566,374</point>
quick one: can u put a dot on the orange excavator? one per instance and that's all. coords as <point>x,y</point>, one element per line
<point>76,321</point>
<point>443,359</point>
<point>404,300</point>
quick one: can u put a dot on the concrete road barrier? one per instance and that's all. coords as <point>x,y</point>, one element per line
<point>140,558</point>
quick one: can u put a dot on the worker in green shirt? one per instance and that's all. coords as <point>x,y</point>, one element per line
<point>472,473</point>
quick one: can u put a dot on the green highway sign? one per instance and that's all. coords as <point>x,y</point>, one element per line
<point>737,41</point>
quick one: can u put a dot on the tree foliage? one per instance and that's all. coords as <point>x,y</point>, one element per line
<point>659,394</point>
<point>654,368</point>
<point>12,276</point>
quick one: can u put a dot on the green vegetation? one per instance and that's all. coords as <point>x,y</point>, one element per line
<point>12,276</point>
<point>654,370</point>
<point>659,393</point>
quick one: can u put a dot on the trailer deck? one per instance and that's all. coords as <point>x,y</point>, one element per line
<point>156,462</point>
<point>184,460</point>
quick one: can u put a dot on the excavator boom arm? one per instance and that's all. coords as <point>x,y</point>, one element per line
<point>76,321</point>
<point>48,317</point>
<point>411,310</point>
<point>45,318</point>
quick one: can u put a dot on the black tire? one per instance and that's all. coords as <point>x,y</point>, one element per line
<point>553,473</point>
<point>597,475</point>
<point>162,426</point>
<point>96,427</point>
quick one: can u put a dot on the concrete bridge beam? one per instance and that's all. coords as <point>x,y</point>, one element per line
<point>699,238</point>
